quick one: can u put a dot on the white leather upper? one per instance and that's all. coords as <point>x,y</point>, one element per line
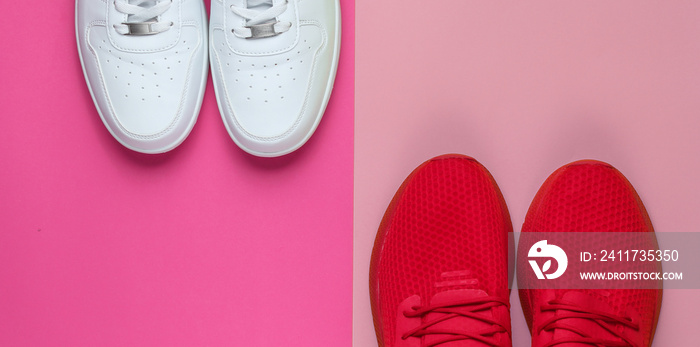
<point>272,92</point>
<point>147,89</point>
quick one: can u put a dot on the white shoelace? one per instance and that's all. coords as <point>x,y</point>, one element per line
<point>261,17</point>
<point>145,15</point>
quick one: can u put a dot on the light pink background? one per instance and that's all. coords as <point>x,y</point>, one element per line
<point>203,246</point>
<point>526,87</point>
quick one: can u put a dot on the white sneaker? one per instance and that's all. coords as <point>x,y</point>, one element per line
<point>145,62</point>
<point>273,66</point>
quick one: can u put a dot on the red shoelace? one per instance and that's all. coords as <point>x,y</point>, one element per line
<point>605,320</point>
<point>467,308</point>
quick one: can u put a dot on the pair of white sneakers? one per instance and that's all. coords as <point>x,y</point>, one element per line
<point>273,66</point>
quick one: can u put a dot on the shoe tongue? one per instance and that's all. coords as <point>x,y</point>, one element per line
<point>458,323</point>
<point>588,326</point>
<point>145,4</point>
<point>259,4</point>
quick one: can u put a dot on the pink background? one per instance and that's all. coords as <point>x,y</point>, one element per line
<point>203,246</point>
<point>526,87</point>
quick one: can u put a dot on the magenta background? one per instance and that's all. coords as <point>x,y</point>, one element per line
<point>207,245</point>
<point>202,246</point>
<point>526,87</point>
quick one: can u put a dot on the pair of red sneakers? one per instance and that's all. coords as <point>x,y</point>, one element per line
<point>439,273</point>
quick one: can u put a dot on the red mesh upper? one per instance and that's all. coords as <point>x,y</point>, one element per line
<point>448,215</point>
<point>591,196</point>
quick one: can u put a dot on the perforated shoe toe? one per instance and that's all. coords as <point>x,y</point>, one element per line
<point>145,63</point>
<point>273,66</point>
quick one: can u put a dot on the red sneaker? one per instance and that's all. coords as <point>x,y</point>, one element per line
<point>439,268</point>
<point>589,196</point>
